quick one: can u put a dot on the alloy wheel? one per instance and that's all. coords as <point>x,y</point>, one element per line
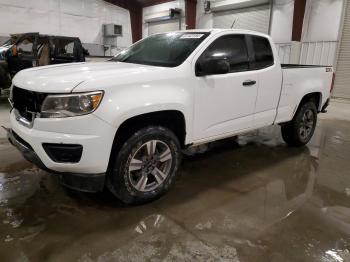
<point>306,124</point>
<point>150,165</point>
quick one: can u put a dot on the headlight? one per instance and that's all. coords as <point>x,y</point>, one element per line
<point>57,106</point>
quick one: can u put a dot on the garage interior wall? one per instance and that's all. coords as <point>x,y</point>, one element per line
<point>82,18</point>
<point>282,27</point>
<point>321,28</point>
<point>164,26</point>
<point>317,47</point>
<point>342,80</point>
<point>255,18</point>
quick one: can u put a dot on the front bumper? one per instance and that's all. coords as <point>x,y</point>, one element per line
<point>324,108</point>
<point>81,182</point>
<point>93,134</point>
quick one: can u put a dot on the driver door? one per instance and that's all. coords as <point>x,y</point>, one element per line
<point>225,103</point>
<point>25,56</point>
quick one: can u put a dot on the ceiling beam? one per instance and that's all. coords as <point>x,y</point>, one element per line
<point>298,19</point>
<point>126,4</point>
<point>147,3</point>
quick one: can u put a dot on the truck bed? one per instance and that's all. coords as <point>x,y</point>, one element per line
<point>303,79</point>
<point>286,66</point>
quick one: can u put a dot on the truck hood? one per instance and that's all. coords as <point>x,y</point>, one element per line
<point>64,78</point>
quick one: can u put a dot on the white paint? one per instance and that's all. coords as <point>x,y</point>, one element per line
<point>222,5</point>
<point>155,9</point>
<point>318,53</point>
<point>256,18</point>
<point>214,107</point>
<point>82,18</point>
<point>203,20</point>
<point>284,52</point>
<point>322,20</point>
<point>282,21</point>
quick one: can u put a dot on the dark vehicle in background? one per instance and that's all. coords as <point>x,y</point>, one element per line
<point>28,50</point>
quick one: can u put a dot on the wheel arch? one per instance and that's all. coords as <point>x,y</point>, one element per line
<point>171,119</point>
<point>313,96</point>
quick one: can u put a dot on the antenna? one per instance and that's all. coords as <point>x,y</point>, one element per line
<point>234,22</point>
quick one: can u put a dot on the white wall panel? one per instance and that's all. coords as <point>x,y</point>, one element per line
<point>160,8</point>
<point>82,18</point>
<point>342,80</point>
<point>282,20</point>
<point>203,20</point>
<point>251,18</point>
<point>164,26</point>
<point>284,52</point>
<point>318,53</point>
<point>322,20</point>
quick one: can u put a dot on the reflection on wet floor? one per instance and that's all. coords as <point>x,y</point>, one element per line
<point>245,199</point>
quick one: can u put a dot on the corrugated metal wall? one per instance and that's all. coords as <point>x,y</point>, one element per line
<point>163,26</point>
<point>318,53</point>
<point>284,52</point>
<point>342,81</point>
<point>252,18</point>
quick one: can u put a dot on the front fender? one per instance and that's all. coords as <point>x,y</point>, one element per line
<point>131,101</point>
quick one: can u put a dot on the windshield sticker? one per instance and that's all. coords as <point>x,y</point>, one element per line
<point>191,36</point>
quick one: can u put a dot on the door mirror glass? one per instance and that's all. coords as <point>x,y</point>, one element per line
<point>212,67</point>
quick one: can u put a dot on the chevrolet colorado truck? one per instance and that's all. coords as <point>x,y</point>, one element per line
<point>123,123</point>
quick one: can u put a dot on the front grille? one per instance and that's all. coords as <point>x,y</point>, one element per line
<point>27,102</point>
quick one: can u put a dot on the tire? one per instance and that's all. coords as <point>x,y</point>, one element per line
<point>300,130</point>
<point>134,162</point>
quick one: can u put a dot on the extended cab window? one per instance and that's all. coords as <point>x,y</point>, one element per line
<point>263,52</point>
<point>232,48</point>
<point>168,50</point>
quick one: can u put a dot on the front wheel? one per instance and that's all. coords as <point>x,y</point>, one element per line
<point>300,130</point>
<point>146,165</point>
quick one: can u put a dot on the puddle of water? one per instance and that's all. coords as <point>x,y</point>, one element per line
<point>245,199</point>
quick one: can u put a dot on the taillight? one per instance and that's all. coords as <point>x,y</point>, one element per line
<point>333,80</point>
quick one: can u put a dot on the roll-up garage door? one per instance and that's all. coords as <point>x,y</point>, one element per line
<point>342,80</point>
<point>253,18</point>
<point>163,26</point>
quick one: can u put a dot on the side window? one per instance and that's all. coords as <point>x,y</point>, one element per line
<point>25,47</point>
<point>233,48</point>
<point>263,52</point>
<point>65,48</point>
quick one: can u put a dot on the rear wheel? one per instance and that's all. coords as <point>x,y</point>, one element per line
<point>300,130</point>
<point>145,166</point>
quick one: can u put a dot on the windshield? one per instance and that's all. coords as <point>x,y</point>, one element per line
<point>7,42</point>
<point>168,50</point>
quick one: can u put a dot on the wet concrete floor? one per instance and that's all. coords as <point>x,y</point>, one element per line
<point>249,199</point>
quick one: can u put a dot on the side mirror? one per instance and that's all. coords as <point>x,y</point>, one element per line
<point>212,67</point>
<point>85,51</point>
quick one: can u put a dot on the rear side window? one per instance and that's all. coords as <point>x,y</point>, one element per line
<point>233,48</point>
<point>263,52</point>
<point>64,48</point>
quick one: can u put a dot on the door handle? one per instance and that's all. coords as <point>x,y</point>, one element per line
<point>249,83</point>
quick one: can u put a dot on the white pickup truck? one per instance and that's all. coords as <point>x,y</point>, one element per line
<point>123,123</point>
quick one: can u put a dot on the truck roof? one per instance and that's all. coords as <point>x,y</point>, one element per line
<point>219,30</point>
<point>41,35</point>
